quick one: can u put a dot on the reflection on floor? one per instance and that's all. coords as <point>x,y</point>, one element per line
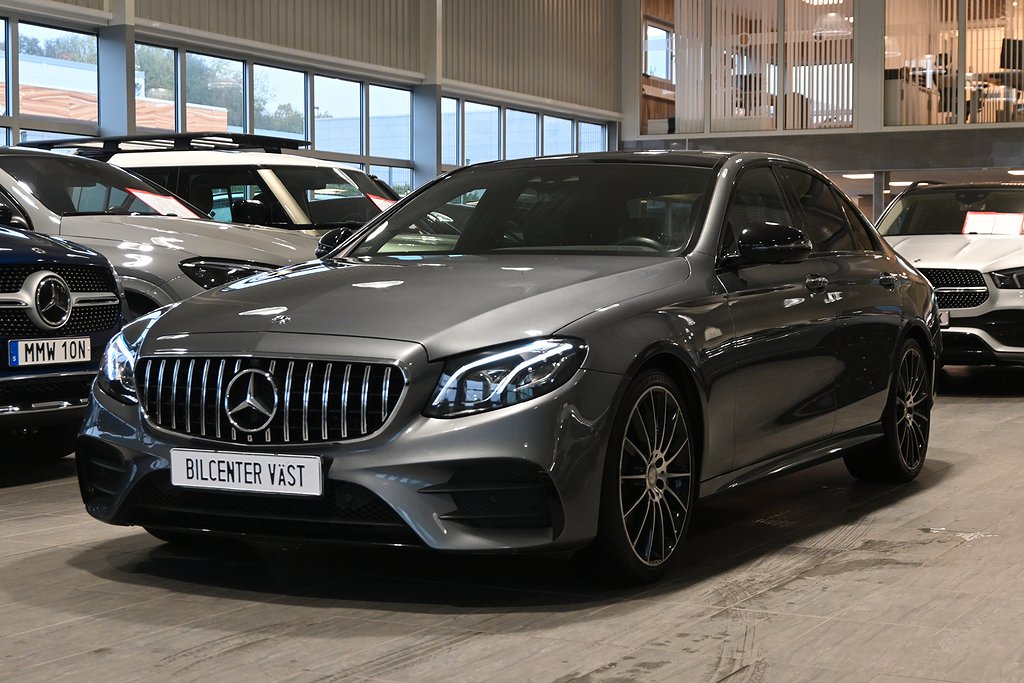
<point>808,578</point>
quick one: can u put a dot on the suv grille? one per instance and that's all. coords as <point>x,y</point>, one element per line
<point>292,401</point>
<point>79,278</point>
<point>26,392</point>
<point>955,288</point>
<point>15,323</point>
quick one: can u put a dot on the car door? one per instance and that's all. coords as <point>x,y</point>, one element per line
<point>865,294</point>
<point>784,349</point>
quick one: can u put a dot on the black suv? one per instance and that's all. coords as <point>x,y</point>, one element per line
<point>59,306</point>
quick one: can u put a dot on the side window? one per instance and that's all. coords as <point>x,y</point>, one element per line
<point>216,191</point>
<point>757,198</point>
<point>863,234</point>
<point>824,219</point>
<point>164,177</point>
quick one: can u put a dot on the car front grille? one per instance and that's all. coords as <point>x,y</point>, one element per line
<point>303,401</point>
<point>26,393</point>
<point>957,288</point>
<point>79,278</point>
<point>15,323</point>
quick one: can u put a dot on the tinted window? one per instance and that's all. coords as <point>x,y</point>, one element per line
<point>863,234</point>
<point>215,192</point>
<point>955,211</point>
<point>824,219</point>
<point>756,199</point>
<point>607,208</point>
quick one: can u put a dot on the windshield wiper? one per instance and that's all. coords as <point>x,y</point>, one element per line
<point>112,211</point>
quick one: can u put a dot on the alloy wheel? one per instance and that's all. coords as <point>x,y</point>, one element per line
<point>655,466</point>
<point>913,408</point>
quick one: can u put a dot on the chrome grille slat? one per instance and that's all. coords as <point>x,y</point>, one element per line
<point>354,399</point>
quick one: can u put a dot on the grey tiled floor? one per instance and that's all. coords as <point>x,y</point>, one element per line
<point>808,578</point>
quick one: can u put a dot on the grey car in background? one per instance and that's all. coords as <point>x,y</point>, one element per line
<point>162,249</point>
<point>602,340</point>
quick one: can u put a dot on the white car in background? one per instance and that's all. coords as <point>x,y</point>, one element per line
<point>241,178</point>
<point>968,240</point>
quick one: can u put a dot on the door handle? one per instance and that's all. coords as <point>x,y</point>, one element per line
<point>889,280</point>
<point>816,283</point>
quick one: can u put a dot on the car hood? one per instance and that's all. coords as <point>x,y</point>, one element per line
<point>23,246</point>
<point>447,304</point>
<point>193,237</point>
<point>975,252</point>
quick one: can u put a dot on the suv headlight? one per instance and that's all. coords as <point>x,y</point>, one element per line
<point>117,370</point>
<point>504,376</point>
<point>1012,278</point>
<point>210,273</point>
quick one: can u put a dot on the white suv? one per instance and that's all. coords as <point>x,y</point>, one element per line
<point>250,179</point>
<point>968,240</point>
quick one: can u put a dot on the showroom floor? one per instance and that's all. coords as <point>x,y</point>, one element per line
<point>808,578</point>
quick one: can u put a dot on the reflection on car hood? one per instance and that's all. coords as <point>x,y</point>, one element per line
<point>447,304</point>
<point>24,246</point>
<point>191,236</point>
<point>973,252</point>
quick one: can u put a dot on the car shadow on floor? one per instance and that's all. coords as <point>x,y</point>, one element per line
<point>22,470</point>
<point>760,530</point>
<point>980,381</point>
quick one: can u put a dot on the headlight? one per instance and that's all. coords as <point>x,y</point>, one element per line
<point>210,273</point>
<point>1009,279</point>
<point>504,376</point>
<point>117,370</point>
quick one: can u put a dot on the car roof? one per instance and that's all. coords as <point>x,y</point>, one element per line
<point>219,158</point>
<point>670,157</point>
<point>946,187</point>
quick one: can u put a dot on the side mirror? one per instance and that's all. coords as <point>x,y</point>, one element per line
<point>773,243</point>
<point>250,211</point>
<point>334,238</point>
<point>6,215</point>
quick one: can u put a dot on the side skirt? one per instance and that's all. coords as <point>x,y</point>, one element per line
<point>780,465</point>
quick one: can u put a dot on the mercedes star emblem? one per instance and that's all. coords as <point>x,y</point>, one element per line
<point>251,400</point>
<point>52,302</point>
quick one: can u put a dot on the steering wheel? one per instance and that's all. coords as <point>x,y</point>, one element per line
<point>640,241</point>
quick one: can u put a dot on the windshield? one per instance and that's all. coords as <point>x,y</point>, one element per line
<point>71,186</point>
<point>623,208</point>
<point>956,211</point>
<point>330,196</point>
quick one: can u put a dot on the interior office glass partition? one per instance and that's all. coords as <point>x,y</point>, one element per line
<point>57,71</point>
<point>658,79</point>
<point>155,79</point>
<point>921,58</point>
<point>744,72</point>
<point>3,69</point>
<point>994,61</point>
<point>819,64</point>
<point>690,35</point>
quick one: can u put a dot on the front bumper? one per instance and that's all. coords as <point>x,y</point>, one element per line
<point>989,334</point>
<point>36,399</point>
<point>524,478</point>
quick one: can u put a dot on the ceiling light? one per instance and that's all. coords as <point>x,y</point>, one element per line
<point>831,25</point>
<point>901,183</point>
<point>859,176</point>
<point>1016,171</point>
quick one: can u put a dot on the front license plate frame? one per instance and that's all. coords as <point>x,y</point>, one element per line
<point>266,473</point>
<point>23,353</point>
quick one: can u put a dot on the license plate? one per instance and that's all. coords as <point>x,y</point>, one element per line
<point>48,351</point>
<point>299,475</point>
<point>943,318</point>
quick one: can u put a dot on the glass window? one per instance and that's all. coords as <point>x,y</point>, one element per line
<point>28,135</point>
<point>337,115</point>
<point>592,137</point>
<point>279,97</point>
<point>483,132</point>
<point>658,56</point>
<point>217,193</point>
<point>154,87</point>
<point>3,66</point>
<point>397,177</point>
<point>390,122</point>
<point>743,78</point>
<point>520,134</point>
<point>756,199</point>
<point>58,73</point>
<point>214,95</point>
<point>863,234</point>
<point>824,219</point>
<point>557,135</point>
<point>449,131</point>
<point>995,61</point>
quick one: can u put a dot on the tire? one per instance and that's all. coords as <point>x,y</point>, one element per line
<point>49,443</point>
<point>648,482</point>
<point>899,455</point>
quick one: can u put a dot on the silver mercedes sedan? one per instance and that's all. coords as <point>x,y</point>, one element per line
<point>536,355</point>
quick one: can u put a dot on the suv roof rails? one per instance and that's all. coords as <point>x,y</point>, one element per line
<point>103,148</point>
